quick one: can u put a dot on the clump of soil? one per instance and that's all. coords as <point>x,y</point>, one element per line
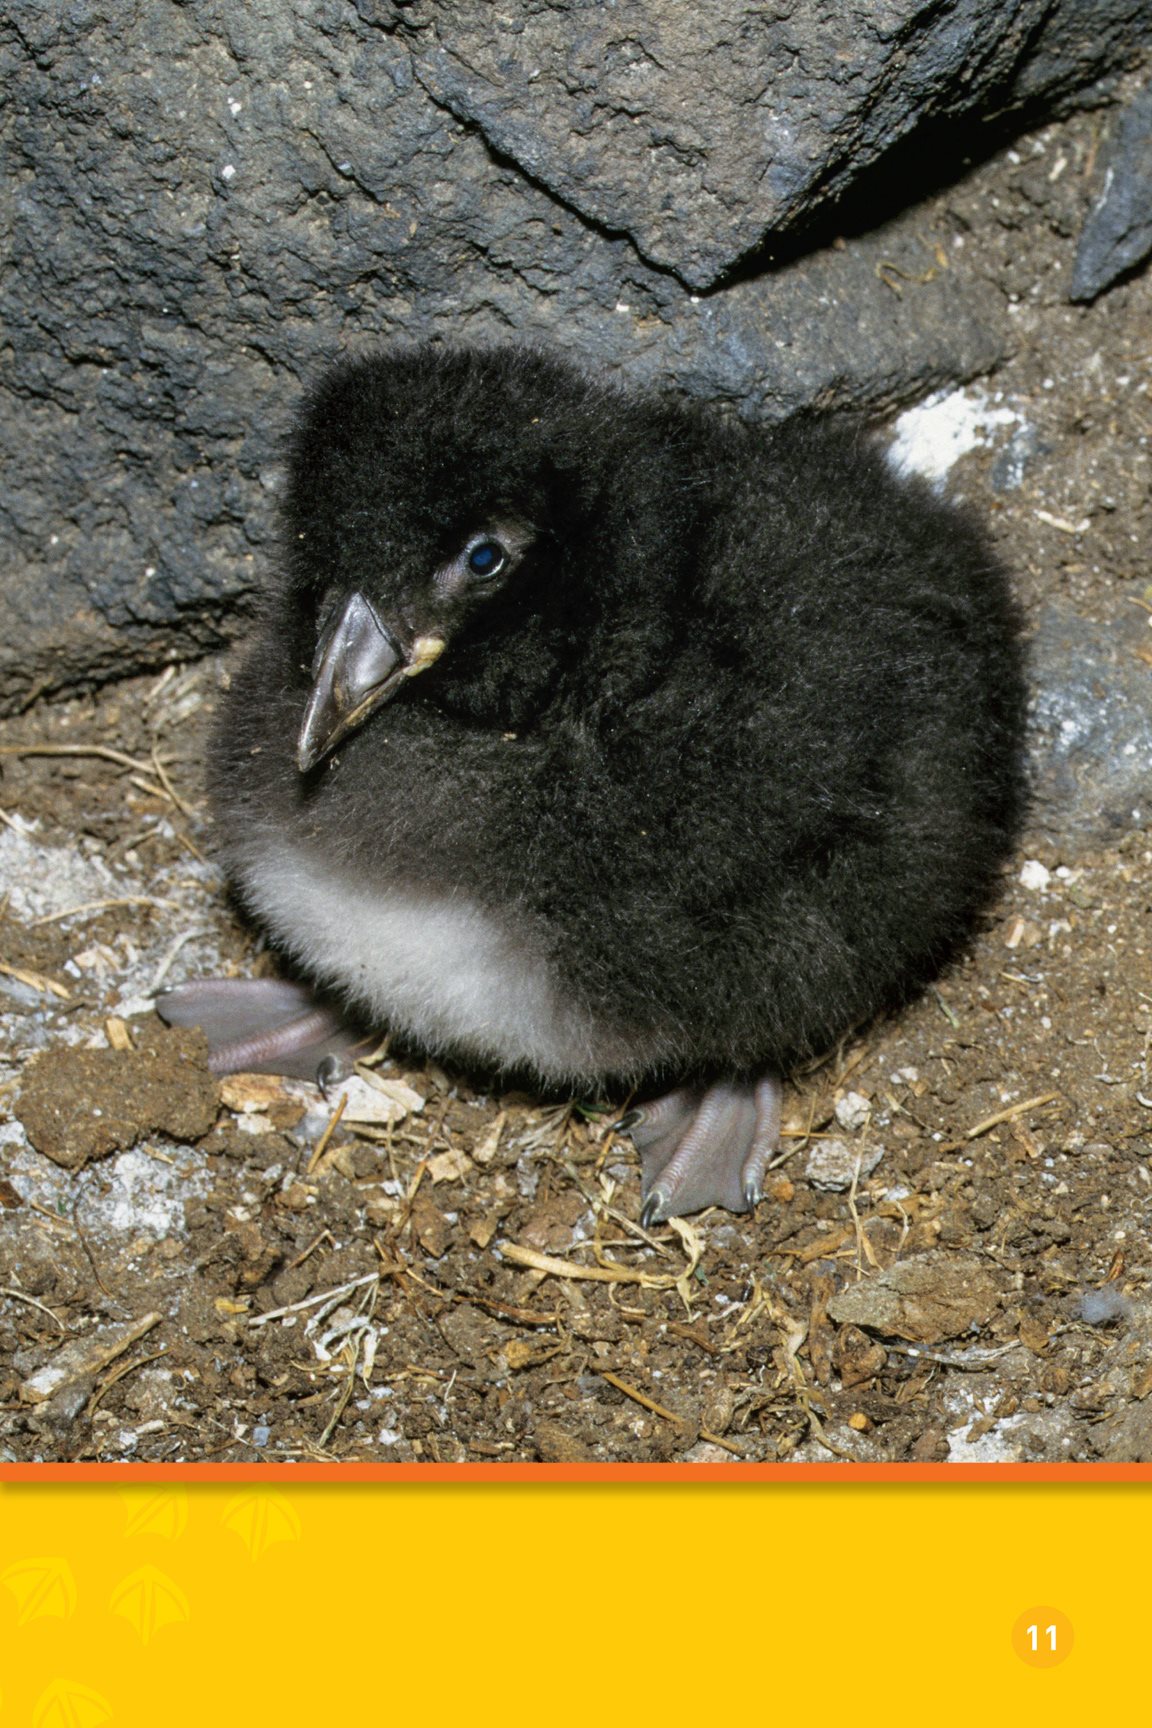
<point>926,1300</point>
<point>76,1104</point>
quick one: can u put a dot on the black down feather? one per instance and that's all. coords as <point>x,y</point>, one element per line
<point>715,748</point>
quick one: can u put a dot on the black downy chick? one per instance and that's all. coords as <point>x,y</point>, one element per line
<point>604,739</point>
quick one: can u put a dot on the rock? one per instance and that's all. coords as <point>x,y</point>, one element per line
<point>163,325</point>
<point>853,1110</point>
<point>210,202</point>
<point>834,1165</point>
<point>1117,234</point>
<point>699,130</point>
<point>1124,1431</point>
<point>430,1228</point>
<point>1034,875</point>
<point>555,1445</point>
<point>926,1299</point>
<point>375,1102</point>
<point>78,1104</point>
<point>471,1334</point>
<point>857,1357</point>
<point>931,1447</point>
<point>1092,729</point>
<point>1126,1437</point>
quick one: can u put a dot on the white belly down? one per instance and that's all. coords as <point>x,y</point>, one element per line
<point>436,966</point>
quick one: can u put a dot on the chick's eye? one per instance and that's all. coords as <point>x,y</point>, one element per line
<point>487,558</point>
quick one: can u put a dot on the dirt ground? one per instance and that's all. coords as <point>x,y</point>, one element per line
<point>952,1261</point>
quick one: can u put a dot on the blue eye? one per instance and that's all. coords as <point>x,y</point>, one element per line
<point>487,558</point>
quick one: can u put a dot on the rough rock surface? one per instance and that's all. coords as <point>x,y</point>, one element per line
<point>207,202</point>
<point>1118,233</point>
<point>697,130</point>
<point>1092,728</point>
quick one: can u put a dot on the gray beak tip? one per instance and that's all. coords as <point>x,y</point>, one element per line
<point>358,668</point>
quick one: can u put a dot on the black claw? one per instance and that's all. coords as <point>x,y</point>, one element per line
<point>328,1072</point>
<point>650,1208</point>
<point>753,1194</point>
<point>629,1120</point>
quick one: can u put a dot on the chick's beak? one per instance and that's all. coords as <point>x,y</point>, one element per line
<point>359,666</point>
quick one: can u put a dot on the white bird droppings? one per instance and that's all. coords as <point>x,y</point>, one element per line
<point>930,437</point>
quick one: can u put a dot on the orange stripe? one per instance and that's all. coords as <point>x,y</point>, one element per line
<point>285,1475</point>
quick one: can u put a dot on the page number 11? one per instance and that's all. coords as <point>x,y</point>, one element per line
<point>1042,1636</point>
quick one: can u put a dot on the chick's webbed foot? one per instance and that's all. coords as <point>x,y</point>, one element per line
<point>263,1026</point>
<point>705,1148</point>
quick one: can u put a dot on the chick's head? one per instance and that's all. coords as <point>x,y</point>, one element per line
<point>435,504</point>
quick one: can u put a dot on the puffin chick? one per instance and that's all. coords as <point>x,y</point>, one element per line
<point>606,740</point>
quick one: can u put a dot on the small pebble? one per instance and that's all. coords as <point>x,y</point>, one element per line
<point>853,1110</point>
<point>1033,874</point>
<point>832,1164</point>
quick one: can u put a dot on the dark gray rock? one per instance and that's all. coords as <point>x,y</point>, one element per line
<point>1117,234</point>
<point>210,202</point>
<point>698,130</point>
<point>206,203</point>
<point>1092,729</point>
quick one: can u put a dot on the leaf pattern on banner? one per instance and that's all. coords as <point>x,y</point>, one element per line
<point>260,1520</point>
<point>149,1600</point>
<point>67,1704</point>
<point>158,1514</point>
<point>44,1587</point>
